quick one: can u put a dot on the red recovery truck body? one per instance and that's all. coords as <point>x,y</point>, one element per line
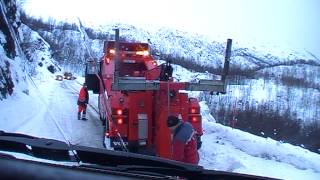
<point>136,96</point>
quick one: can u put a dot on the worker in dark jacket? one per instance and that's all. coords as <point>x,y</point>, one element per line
<point>184,144</point>
<point>166,71</point>
<point>82,102</point>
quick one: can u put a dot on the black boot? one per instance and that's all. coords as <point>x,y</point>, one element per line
<point>84,116</point>
<point>79,115</point>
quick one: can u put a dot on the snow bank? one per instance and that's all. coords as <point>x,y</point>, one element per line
<point>233,150</point>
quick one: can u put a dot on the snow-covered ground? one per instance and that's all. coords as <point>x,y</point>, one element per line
<point>228,149</point>
<point>233,150</point>
<point>50,110</point>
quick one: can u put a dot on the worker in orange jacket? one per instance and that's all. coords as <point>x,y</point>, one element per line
<point>83,101</point>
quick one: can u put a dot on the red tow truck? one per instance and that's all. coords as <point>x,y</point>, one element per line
<point>136,95</point>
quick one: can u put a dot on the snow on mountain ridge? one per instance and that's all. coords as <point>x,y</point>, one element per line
<point>171,43</point>
<point>202,49</point>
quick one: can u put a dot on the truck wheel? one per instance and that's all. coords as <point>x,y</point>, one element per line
<point>101,113</point>
<point>199,142</point>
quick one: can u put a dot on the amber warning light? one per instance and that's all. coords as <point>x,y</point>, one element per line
<point>143,53</point>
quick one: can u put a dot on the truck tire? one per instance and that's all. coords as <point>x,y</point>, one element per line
<point>101,113</point>
<point>199,142</point>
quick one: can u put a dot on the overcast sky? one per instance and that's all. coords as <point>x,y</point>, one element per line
<point>294,23</point>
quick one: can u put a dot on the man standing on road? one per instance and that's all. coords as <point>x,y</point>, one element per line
<point>184,144</point>
<point>83,101</point>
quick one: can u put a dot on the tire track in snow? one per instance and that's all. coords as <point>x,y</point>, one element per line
<point>85,133</point>
<point>43,124</point>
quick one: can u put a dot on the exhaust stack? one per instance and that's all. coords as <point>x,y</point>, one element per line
<point>227,60</point>
<point>116,58</point>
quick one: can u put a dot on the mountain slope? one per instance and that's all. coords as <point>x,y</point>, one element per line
<point>13,73</point>
<point>22,52</point>
<point>233,150</point>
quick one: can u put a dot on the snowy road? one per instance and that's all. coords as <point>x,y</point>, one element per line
<point>86,133</point>
<point>51,112</point>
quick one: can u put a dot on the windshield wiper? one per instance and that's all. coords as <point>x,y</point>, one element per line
<point>37,147</point>
<point>107,160</point>
<point>171,173</point>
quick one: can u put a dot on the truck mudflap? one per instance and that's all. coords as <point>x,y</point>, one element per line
<point>199,142</point>
<point>107,143</point>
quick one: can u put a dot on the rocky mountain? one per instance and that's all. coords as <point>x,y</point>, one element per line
<point>22,52</point>
<point>11,56</point>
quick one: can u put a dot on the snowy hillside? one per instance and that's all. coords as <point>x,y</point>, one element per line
<point>38,53</point>
<point>229,149</point>
<point>223,148</point>
<point>198,49</point>
<point>233,150</point>
<point>204,50</point>
<point>11,58</point>
<point>23,53</point>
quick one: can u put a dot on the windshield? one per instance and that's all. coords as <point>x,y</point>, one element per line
<point>238,79</point>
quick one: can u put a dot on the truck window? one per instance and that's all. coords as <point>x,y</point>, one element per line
<point>92,67</point>
<point>132,69</point>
